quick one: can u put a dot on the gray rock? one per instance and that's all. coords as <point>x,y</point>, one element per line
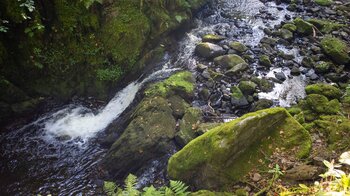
<point>209,50</point>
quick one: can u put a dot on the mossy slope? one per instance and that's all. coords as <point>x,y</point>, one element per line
<point>225,154</point>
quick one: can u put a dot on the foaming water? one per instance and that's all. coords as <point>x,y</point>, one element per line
<point>81,122</point>
<point>288,92</point>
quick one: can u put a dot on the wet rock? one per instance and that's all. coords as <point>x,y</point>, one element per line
<point>335,77</point>
<point>209,50</point>
<point>181,83</point>
<point>265,61</point>
<point>228,61</point>
<point>290,27</point>
<point>308,62</point>
<point>314,76</point>
<point>201,67</point>
<point>237,97</point>
<point>213,38</point>
<point>204,94</point>
<point>303,27</point>
<point>147,136</point>
<point>295,71</point>
<point>239,47</point>
<point>247,87</point>
<point>324,2</point>
<point>331,92</point>
<point>303,172</point>
<point>269,41</point>
<point>237,69</point>
<point>286,34</point>
<point>188,125</point>
<point>322,67</point>
<point>280,76</point>
<point>263,84</point>
<point>262,104</point>
<point>178,106</point>
<point>210,161</point>
<point>216,99</point>
<point>336,49</point>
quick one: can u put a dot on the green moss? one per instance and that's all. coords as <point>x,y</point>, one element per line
<point>239,47</point>
<point>247,87</point>
<point>322,66</point>
<point>320,104</point>
<point>325,26</point>
<point>327,90</point>
<point>303,27</point>
<point>181,82</point>
<point>265,60</point>
<point>294,110</point>
<point>236,93</point>
<point>187,127</point>
<point>290,27</point>
<point>225,154</point>
<point>125,33</point>
<point>324,2</point>
<point>336,49</point>
<point>212,38</point>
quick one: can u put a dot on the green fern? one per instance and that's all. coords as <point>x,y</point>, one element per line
<point>176,188</point>
<point>130,186</point>
<point>179,188</point>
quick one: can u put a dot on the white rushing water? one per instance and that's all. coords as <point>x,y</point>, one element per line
<point>288,92</point>
<point>80,122</point>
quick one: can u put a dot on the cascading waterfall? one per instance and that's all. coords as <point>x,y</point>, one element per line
<point>81,122</point>
<point>47,148</point>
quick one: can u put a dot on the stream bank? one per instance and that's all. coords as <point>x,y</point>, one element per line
<point>267,69</point>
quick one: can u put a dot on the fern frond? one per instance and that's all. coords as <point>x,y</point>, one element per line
<point>109,188</point>
<point>179,188</point>
<point>151,191</point>
<point>130,186</point>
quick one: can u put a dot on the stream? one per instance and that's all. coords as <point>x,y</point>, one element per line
<point>59,154</point>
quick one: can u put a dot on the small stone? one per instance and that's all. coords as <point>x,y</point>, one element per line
<point>280,76</point>
<point>256,177</point>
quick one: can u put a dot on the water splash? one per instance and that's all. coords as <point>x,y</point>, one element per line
<point>80,122</point>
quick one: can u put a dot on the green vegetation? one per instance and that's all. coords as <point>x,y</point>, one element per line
<point>324,2</point>
<point>176,188</point>
<point>336,49</point>
<point>181,83</point>
<point>334,181</point>
<point>303,26</point>
<point>325,26</point>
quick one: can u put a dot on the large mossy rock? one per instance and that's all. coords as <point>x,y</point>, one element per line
<point>181,84</point>
<point>331,92</point>
<point>225,154</point>
<point>147,137</point>
<point>336,49</point>
<point>188,126</point>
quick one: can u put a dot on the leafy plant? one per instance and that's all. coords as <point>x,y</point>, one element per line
<point>30,31</point>
<point>334,181</point>
<point>110,74</point>
<point>176,188</point>
<point>3,28</point>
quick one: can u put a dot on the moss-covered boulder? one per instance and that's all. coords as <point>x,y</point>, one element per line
<point>289,26</point>
<point>336,130</point>
<point>320,104</point>
<point>188,125</point>
<point>237,97</point>
<point>336,49</point>
<point>225,154</point>
<point>209,50</point>
<point>181,84</point>
<point>264,60</point>
<point>322,67</point>
<point>303,26</point>
<point>228,61</point>
<point>324,2</point>
<point>147,137</point>
<point>331,92</point>
<point>238,46</point>
<point>212,38</point>
<point>247,87</point>
<point>325,26</point>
